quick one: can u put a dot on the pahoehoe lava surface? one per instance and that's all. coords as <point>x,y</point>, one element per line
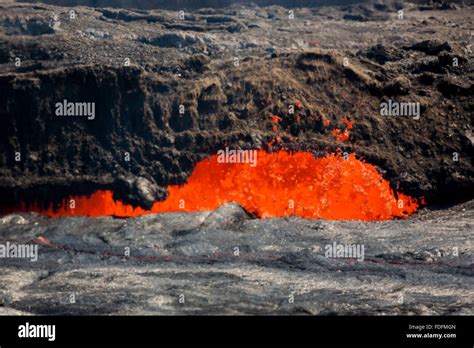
<point>192,62</point>
<point>411,267</point>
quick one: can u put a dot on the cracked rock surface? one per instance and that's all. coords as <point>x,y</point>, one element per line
<point>227,262</point>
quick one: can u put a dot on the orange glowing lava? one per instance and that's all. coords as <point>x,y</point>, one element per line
<point>281,184</point>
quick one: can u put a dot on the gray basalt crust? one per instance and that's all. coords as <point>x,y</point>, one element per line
<point>422,266</point>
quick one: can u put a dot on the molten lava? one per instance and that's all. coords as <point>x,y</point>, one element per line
<point>281,184</point>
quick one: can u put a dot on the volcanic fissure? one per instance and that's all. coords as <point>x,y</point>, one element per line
<point>282,184</point>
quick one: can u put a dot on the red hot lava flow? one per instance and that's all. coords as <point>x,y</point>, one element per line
<point>281,184</point>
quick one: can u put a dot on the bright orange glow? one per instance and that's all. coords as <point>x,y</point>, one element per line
<point>343,135</point>
<point>340,136</point>
<point>281,184</point>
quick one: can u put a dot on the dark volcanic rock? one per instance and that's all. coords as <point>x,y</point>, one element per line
<point>398,86</point>
<point>195,4</point>
<point>172,40</point>
<point>352,17</point>
<point>194,86</point>
<point>198,63</point>
<point>30,26</point>
<point>431,47</point>
<point>382,54</point>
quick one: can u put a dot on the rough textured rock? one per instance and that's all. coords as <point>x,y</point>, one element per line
<point>227,214</point>
<point>191,63</point>
<point>239,265</point>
